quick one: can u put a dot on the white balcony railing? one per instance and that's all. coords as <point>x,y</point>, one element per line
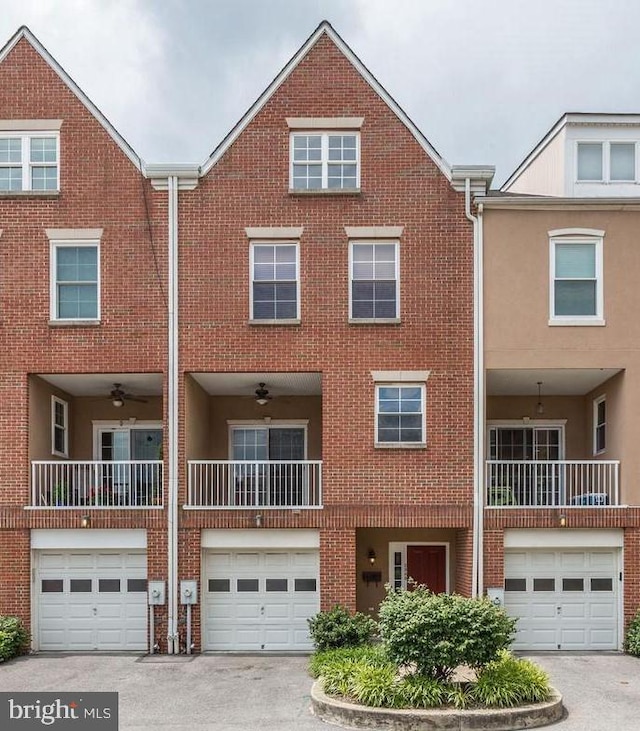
<point>222,484</point>
<point>66,484</point>
<point>558,483</point>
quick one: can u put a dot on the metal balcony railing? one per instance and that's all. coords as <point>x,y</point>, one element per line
<point>559,483</point>
<point>96,484</point>
<point>223,484</point>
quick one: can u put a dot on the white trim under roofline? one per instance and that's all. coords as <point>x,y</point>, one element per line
<point>24,32</point>
<point>325,27</point>
<point>543,203</point>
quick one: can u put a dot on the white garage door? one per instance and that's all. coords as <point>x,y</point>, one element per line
<point>91,600</point>
<point>563,599</point>
<point>259,599</point>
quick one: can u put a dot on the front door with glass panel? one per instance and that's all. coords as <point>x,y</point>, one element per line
<point>269,465</point>
<point>132,479</point>
<point>526,456</point>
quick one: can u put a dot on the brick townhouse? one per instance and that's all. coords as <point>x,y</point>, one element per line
<point>561,334</point>
<point>256,374</point>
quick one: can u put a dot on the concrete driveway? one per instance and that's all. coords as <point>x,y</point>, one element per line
<point>267,693</point>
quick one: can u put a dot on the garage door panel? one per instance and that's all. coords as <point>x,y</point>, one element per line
<point>94,611</point>
<point>571,600</point>
<point>280,593</point>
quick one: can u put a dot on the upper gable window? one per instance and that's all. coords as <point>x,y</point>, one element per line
<point>29,162</point>
<point>604,162</point>
<point>325,161</point>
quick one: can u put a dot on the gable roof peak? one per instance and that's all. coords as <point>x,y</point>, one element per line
<point>24,32</point>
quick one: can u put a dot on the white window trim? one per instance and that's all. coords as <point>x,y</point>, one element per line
<point>55,400</point>
<point>596,402</point>
<point>401,445</point>
<point>374,320</point>
<point>101,425</point>
<point>275,242</point>
<point>324,160</point>
<point>25,137</point>
<point>267,423</point>
<point>401,547</point>
<point>577,236</point>
<point>606,162</point>
<point>54,244</point>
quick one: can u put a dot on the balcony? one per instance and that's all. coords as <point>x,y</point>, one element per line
<point>224,484</point>
<point>557,483</point>
<point>96,484</point>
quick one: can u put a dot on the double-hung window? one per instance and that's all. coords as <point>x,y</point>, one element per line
<point>576,291</point>
<point>599,424</point>
<point>29,162</point>
<point>59,427</point>
<point>606,162</point>
<point>400,414</point>
<point>275,295</point>
<point>75,280</point>
<point>374,291</point>
<point>325,161</point>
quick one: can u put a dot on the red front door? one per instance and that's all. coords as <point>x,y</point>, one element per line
<point>427,565</point>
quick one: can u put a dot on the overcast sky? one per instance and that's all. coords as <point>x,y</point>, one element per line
<point>483,79</point>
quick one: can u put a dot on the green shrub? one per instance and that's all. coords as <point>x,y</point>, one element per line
<point>632,638</point>
<point>417,691</point>
<point>14,638</point>
<point>338,628</point>
<point>373,654</point>
<point>437,632</point>
<point>375,686</point>
<point>509,681</point>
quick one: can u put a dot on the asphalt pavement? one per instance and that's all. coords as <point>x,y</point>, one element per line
<point>271,693</point>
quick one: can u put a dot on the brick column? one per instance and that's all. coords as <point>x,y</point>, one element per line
<point>338,568</point>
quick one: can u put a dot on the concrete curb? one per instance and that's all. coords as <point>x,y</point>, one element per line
<point>354,716</point>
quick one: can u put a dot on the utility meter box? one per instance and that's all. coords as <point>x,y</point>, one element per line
<point>157,592</point>
<point>189,592</point>
<point>496,596</point>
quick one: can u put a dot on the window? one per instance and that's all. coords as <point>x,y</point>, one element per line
<point>400,414</point>
<point>604,162</point>
<point>59,427</point>
<point>325,161</point>
<point>75,280</point>
<point>374,290</point>
<point>274,282</point>
<point>29,162</point>
<point>576,280</point>
<point>599,425</point>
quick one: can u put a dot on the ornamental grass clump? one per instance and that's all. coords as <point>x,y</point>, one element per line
<point>432,634</point>
<point>510,681</point>
<point>373,655</point>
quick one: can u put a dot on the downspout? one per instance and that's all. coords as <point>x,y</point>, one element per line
<point>173,643</point>
<point>478,395</point>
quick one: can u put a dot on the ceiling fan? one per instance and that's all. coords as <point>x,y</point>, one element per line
<point>262,395</point>
<point>117,396</point>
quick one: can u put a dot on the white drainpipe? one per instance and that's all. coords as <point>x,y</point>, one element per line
<point>173,644</point>
<point>477,583</point>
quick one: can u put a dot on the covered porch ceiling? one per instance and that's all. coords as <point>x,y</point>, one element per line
<point>245,384</point>
<point>555,381</point>
<point>101,384</point>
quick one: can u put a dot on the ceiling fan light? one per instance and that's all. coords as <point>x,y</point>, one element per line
<point>117,402</point>
<point>262,395</point>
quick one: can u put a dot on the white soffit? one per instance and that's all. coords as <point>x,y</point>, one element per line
<point>556,382</point>
<point>260,538</point>
<point>120,538</point>
<point>563,538</point>
<point>100,384</point>
<point>245,384</point>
